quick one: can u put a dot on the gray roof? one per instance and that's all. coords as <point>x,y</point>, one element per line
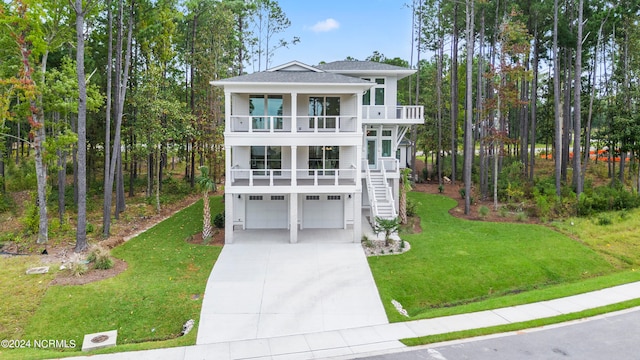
<point>283,76</point>
<point>359,66</point>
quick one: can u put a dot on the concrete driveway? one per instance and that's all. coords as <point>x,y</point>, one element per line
<point>267,289</point>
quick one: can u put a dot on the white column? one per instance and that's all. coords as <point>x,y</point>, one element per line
<point>293,218</point>
<point>227,166</point>
<point>294,112</point>
<point>357,216</point>
<point>227,110</point>
<point>294,165</point>
<point>228,218</point>
<point>358,175</point>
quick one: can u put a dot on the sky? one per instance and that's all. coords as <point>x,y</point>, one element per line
<point>331,30</point>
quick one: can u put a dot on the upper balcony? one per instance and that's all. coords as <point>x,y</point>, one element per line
<point>290,124</point>
<point>395,114</point>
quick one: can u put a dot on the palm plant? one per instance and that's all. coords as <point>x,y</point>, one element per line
<point>206,184</point>
<point>405,187</point>
<point>387,226</point>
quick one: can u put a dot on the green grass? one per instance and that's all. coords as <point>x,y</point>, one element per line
<point>456,262</point>
<point>617,241</point>
<point>21,294</point>
<point>519,326</point>
<point>147,304</point>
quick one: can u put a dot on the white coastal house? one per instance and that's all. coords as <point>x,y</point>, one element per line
<point>313,147</point>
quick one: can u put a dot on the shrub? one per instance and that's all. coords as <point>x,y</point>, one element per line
<point>542,206</point>
<point>218,221</point>
<point>462,193</point>
<point>440,189</point>
<point>412,207</point>
<point>503,211</point>
<point>5,201</point>
<point>21,177</point>
<point>521,216</point>
<point>483,211</point>
<point>604,220</point>
<point>31,218</point>
<point>607,198</point>
<point>76,265</point>
<point>100,257</point>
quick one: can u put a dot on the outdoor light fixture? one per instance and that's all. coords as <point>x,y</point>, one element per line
<point>239,197</point>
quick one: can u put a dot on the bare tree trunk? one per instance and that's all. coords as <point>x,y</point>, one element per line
<point>577,127</point>
<point>439,95</point>
<point>468,129</point>
<point>122,77</point>
<point>106,210</point>
<point>556,98</point>
<point>566,114</point>
<point>534,104</point>
<point>479,110</point>
<point>62,180</point>
<point>591,99</point>
<point>454,94</point>
<point>81,229</point>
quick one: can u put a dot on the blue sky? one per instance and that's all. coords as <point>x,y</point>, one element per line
<point>331,30</point>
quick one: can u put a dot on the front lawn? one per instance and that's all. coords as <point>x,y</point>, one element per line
<point>456,262</point>
<point>162,288</point>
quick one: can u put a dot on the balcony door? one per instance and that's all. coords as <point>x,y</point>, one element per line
<point>324,112</point>
<point>264,107</point>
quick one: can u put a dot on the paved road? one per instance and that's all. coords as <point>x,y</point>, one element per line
<point>610,337</point>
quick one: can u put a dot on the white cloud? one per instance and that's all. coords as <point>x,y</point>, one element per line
<point>325,25</point>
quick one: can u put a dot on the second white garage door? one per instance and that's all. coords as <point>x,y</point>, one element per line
<point>323,212</point>
<point>267,212</point>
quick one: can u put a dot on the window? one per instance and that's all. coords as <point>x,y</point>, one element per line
<point>325,109</point>
<point>277,197</point>
<point>255,197</point>
<point>313,197</point>
<point>324,158</point>
<point>378,91</point>
<point>262,108</point>
<point>386,148</point>
<point>266,157</point>
<point>333,197</point>
<point>386,143</point>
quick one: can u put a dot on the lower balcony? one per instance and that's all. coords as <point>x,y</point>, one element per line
<point>283,177</point>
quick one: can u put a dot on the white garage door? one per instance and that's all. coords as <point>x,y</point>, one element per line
<point>267,212</point>
<point>323,212</point>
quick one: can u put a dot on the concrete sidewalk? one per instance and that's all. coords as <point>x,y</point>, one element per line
<point>348,343</point>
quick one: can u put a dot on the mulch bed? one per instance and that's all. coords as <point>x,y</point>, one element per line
<point>216,240</point>
<point>66,278</point>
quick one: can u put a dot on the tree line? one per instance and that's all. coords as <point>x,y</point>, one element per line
<point>109,91</point>
<point>557,72</point>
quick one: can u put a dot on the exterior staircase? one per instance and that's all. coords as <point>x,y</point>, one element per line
<point>380,196</point>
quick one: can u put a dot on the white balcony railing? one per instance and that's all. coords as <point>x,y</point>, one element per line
<point>282,177</point>
<point>260,124</point>
<point>331,177</point>
<point>326,124</point>
<point>283,124</point>
<point>394,112</point>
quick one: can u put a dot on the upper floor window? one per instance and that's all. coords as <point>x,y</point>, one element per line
<point>378,93</point>
<point>261,107</point>
<point>324,110</point>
